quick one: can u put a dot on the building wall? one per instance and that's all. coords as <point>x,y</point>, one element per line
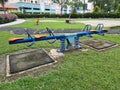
<point>58,10</point>
<point>11,10</point>
<point>13,1</point>
<point>8,8</point>
<point>46,6</point>
<point>28,7</point>
<point>26,1</point>
<point>90,6</point>
<point>47,2</point>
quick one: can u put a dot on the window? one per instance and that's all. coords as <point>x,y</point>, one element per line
<point>36,8</point>
<point>27,8</point>
<point>47,9</point>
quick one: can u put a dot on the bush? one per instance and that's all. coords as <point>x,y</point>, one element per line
<point>5,18</point>
<point>118,9</point>
<point>96,9</point>
<point>1,19</point>
<point>86,15</point>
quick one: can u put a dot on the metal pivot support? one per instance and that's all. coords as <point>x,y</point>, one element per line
<point>76,43</point>
<point>68,44</point>
<point>62,45</point>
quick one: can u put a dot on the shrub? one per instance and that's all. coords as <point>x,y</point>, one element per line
<point>5,18</point>
<point>118,9</point>
<point>96,9</point>
<point>1,19</point>
<point>74,11</point>
<point>85,15</point>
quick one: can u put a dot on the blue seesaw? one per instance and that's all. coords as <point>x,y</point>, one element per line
<point>66,40</point>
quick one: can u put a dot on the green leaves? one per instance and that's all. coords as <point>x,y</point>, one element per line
<point>96,9</point>
<point>118,9</point>
<point>106,5</point>
<point>60,2</point>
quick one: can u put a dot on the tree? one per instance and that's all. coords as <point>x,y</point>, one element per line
<point>84,6</point>
<point>3,5</point>
<point>96,9</point>
<point>106,5</point>
<point>94,1</point>
<point>62,3</point>
<point>118,9</point>
<point>116,4</point>
<point>74,4</point>
<point>74,11</point>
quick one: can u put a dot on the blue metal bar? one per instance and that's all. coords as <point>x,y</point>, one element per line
<point>72,38</point>
<point>58,37</point>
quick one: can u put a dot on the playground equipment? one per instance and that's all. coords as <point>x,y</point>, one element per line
<point>66,40</point>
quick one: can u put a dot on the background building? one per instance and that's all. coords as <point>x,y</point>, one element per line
<point>8,8</point>
<point>47,6</point>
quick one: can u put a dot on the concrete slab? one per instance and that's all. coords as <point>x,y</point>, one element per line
<point>21,62</point>
<point>105,22</point>
<point>98,45</point>
<point>55,54</point>
<point>18,21</point>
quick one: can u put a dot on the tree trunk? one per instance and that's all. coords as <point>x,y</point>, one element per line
<point>3,5</point>
<point>61,9</point>
<point>71,12</point>
<point>84,7</point>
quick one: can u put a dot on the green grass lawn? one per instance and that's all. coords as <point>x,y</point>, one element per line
<point>78,19</point>
<point>79,70</point>
<point>30,23</point>
<point>116,27</point>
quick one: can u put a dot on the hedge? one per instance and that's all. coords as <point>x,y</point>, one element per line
<point>5,18</point>
<point>86,15</point>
